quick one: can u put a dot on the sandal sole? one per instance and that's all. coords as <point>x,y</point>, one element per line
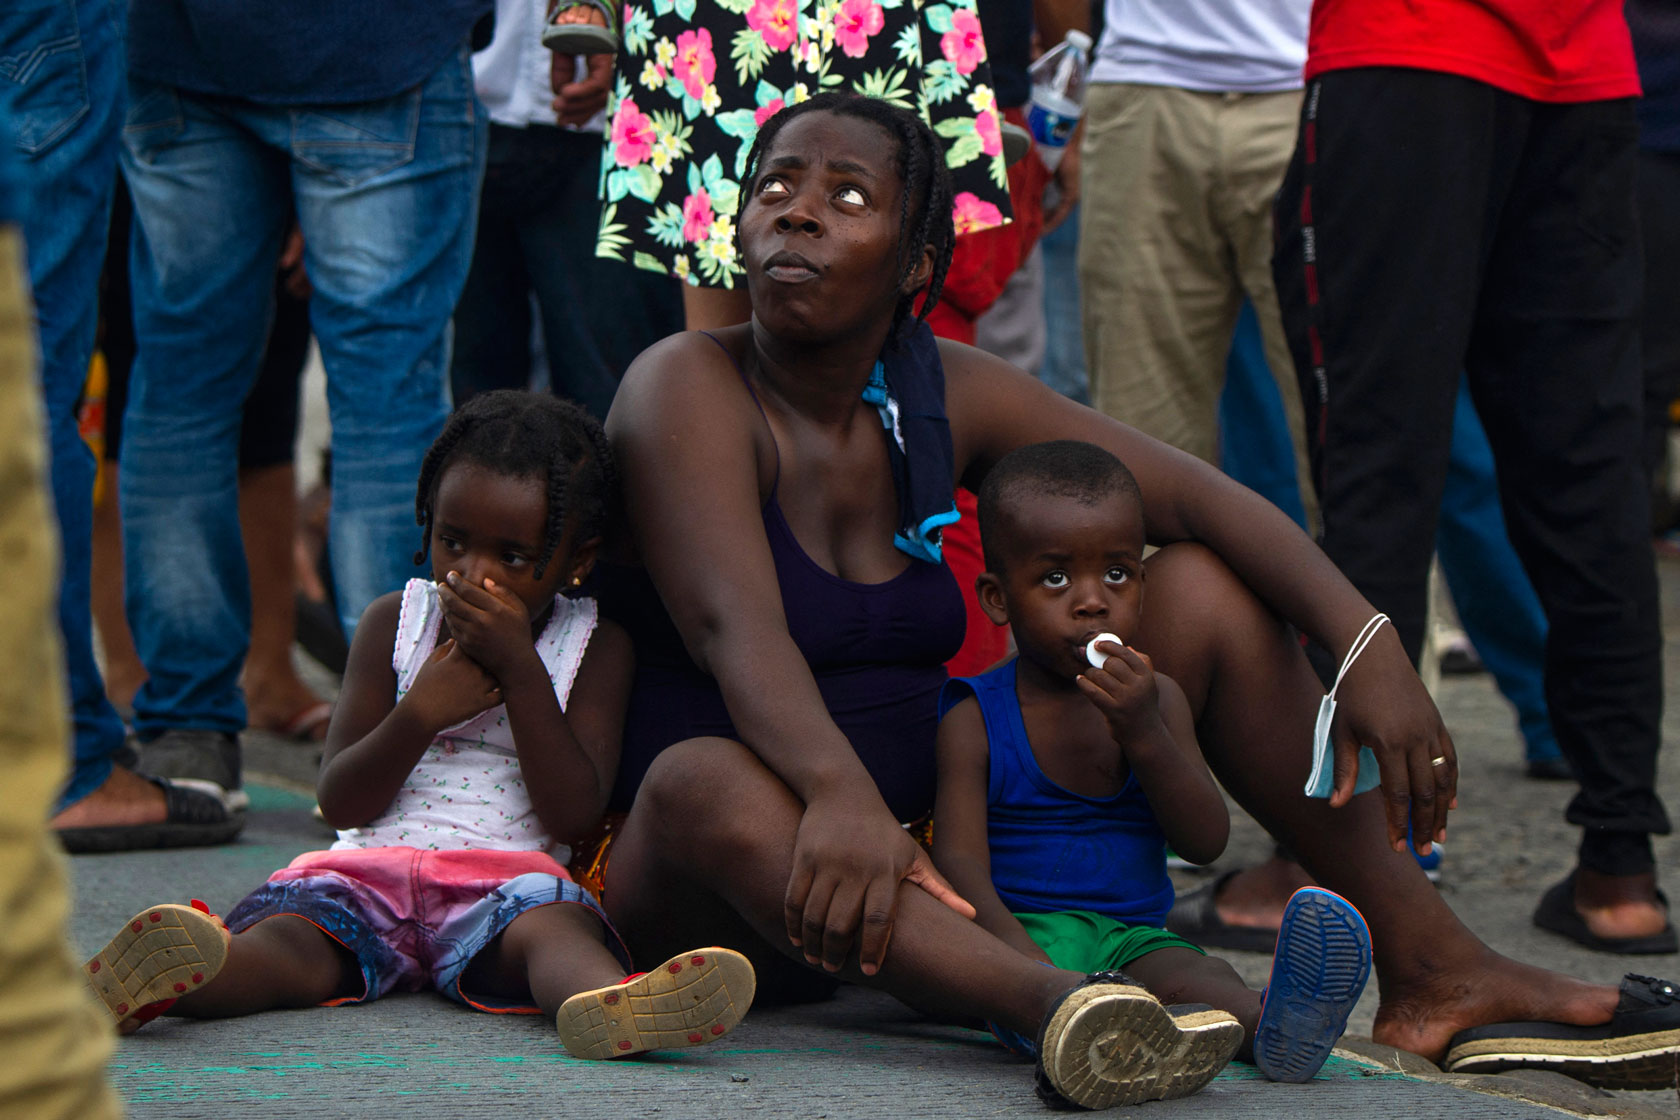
<point>161,954</point>
<point>691,999</point>
<point>1109,1046</point>
<point>1646,1061</point>
<point>1322,962</point>
<point>579,38</point>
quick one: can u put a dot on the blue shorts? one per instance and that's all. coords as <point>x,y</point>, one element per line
<point>413,918</point>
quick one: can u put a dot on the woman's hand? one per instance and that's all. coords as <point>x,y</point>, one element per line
<point>450,688</point>
<point>1381,704</point>
<point>848,860</point>
<point>490,623</point>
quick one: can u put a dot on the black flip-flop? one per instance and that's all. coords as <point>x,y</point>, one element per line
<point>194,819</point>
<point>1557,914</point>
<point>1639,1048</point>
<point>1195,917</point>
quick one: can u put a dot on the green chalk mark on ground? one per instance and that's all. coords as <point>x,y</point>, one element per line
<point>270,799</point>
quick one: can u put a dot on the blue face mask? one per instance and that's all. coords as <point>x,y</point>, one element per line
<point>1322,779</point>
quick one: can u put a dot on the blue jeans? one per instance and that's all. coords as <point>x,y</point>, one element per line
<point>1254,444</point>
<point>1495,601</point>
<point>385,193</point>
<point>1064,348</point>
<point>61,94</point>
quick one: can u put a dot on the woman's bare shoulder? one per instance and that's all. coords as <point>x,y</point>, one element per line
<point>680,361</point>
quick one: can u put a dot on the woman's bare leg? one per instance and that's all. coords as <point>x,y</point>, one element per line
<point>1256,699</point>
<point>691,867</point>
<point>274,692</point>
<point>707,309</point>
<point>124,674</point>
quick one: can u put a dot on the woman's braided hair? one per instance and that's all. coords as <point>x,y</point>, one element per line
<point>528,435</point>
<point>925,204</point>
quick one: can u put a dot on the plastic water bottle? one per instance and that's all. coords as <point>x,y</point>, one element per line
<point>1058,95</point>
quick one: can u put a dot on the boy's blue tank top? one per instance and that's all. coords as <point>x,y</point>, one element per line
<point>1053,849</point>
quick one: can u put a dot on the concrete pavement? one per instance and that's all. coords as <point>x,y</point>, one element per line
<point>860,1055</point>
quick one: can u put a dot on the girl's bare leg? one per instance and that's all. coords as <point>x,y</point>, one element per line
<point>283,961</point>
<point>690,867</point>
<point>707,309</point>
<point>1256,699</point>
<point>548,955</point>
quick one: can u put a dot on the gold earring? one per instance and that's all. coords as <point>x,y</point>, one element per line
<point>577,581</point>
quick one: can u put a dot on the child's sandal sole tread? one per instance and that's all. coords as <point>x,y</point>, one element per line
<point>691,999</point>
<point>161,954</point>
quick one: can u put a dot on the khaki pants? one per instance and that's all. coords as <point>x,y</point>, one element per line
<point>1176,228</point>
<point>54,1039</point>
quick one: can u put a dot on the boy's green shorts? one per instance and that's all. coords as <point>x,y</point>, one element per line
<point>1081,941</point>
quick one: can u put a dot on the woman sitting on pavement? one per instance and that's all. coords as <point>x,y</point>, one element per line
<point>783,728</point>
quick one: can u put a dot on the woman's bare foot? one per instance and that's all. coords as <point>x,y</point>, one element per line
<point>1255,897</point>
<point>277,700</point>
<point>124,798</point>
<point>1449,996</point>
<point>1619,906</point>
<point>580,13</point>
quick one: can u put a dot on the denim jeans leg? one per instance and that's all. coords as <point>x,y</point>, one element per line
<point>62,116</point>
<point>1064,351</point>
<point>1254,444</point>
<point>210,205</point>
<point>493,318</point>
<point>597,313</point>
<point>1495,601</point>
<point>387,197</point>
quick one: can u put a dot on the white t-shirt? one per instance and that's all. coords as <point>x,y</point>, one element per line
<point>1218,46</point>
<point>466,791</point>
<point>512,74</point>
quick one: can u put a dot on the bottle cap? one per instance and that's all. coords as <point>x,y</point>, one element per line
<point>1080,39</point>
<point>1096,658</point>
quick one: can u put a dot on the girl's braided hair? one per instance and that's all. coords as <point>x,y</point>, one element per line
<point>925,204</point>
<point>528,435</point>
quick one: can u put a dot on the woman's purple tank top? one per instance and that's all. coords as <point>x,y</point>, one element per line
<point>877,651</point>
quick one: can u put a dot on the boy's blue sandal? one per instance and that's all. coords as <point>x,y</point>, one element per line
<point>1107,1041</point>
<point>1319,968</point>
<point>1639,1048</point>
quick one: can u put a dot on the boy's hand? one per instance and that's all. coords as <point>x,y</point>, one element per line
<point>1124,690</point>
<point>490,623</point>
<point>451,688</point>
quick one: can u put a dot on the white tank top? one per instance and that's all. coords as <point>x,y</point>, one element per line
<point>466,791</point>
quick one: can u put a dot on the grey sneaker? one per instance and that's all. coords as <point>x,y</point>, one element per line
<point>197,759</point>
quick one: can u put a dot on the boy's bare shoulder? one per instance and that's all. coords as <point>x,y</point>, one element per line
<point>962,726</point>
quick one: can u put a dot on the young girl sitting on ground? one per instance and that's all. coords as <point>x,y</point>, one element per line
<point>479,722</point>
<point>1063,775</point>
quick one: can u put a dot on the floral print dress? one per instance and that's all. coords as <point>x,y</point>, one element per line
<point>696,79</point>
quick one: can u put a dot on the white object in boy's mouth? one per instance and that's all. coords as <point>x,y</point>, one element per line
<point>1096,659</point>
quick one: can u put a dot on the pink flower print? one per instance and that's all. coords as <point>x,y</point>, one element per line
<point>970,212</point>
<point>775,20</point>
<point>963,45</point>
<point>856,21</point>
<point>697,216</point>
<point>695,65</point>
<point>765,112</point>
<point>990,132</point>
<point>632,134</point>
